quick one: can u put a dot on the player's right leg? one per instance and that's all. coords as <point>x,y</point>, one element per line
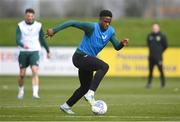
<point>21,83</point>
<point>85,78</point>
<point>151,67</point>
<point>23,63</point>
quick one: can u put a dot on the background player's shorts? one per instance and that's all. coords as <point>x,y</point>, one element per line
<point>28,58</point>
<point>155,61</point>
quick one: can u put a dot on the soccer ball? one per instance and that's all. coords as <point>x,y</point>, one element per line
<point>99,108</point>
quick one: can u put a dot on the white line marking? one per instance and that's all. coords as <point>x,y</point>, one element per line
<point>47,106</point>
<point>94,116</point>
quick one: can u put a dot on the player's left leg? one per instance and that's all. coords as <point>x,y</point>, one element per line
<point>162,78</point>
<point>34,62</point>
<point>35,81</point>
<point>90,63</point>
<point>101,69</point>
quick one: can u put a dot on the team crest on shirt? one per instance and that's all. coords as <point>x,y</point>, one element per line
<point>158,38</point>
<point>104,37</point>
<point>30,29</point>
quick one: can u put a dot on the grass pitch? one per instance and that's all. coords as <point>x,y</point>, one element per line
<point>127,100</point>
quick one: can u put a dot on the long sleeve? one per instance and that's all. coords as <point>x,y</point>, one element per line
<point>85,26</point>
<point>116,43</point>
<point>43,41</point>
<point>148,41</point>
<point>164,43</point>
<point>18,37</point>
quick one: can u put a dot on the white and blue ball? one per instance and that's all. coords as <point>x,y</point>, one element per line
<point>99,107</point>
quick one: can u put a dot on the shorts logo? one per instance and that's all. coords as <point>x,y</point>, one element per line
<point>37,62</point>
<point>20,65</point>
<point>160,62</point>
<point>85,55</point>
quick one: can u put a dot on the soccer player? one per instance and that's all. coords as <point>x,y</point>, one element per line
<point>96,36</point>
<point>29,38</point>
<point>157,44</point>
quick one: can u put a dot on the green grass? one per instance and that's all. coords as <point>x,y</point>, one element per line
<point>127,99</point>
<point>135,29</point>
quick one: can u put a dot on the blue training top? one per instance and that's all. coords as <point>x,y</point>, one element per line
<point>94,39</point>
<point>93,44</point>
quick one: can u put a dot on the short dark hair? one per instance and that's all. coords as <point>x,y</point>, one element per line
<point>104,13</point>
<point>29,10</point>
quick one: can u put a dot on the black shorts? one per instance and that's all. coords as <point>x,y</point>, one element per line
<point>88,63</point>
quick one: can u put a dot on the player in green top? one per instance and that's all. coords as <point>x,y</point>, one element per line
<point>29,38</point>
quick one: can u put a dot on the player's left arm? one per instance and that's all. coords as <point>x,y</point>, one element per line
<point>164,42</point>
<point>118,44</point>
<point>44,42</point>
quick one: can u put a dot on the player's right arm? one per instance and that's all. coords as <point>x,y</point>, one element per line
<point>18,38</point>
<point>87,27</point>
